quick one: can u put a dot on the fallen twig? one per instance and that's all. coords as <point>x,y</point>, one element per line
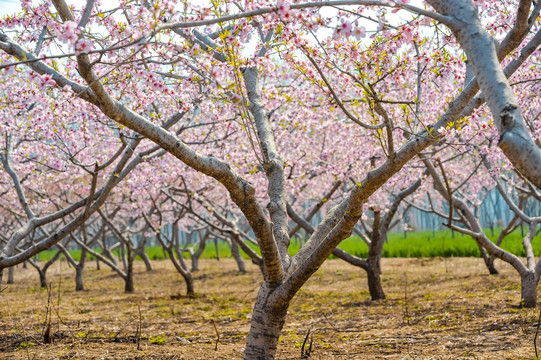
<point>139,328</point>
<point>305,354</point>
<point>47,330</point>
<point>217,334</point>
<point>537,333</point>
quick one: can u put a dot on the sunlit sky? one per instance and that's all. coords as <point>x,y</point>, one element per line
<point>9,7</point>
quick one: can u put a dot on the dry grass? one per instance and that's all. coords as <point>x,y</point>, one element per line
<point>449,309</point>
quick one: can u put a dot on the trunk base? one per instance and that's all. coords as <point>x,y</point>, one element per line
<point>529,290</point>
<point>374,285</point>
<point>267,322</point>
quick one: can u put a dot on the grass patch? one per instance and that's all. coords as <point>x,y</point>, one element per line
<point>440,243</point>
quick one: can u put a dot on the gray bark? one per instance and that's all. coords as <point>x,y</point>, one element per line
<point>268,318</point>
<point>79,284</point>
<point>180,266</point>
<point>235,252</point>
<point>528,292</point>
<point>143,255</point>
<point>515,140</point>
<point>79,271</point>
<point>128,279</point>
<point>11,272</point>
<point>197,254</point>
<point>374,258</point>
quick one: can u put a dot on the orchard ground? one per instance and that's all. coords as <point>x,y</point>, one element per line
<point>437,308</point>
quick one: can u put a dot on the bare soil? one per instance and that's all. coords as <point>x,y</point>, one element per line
<point>435,309</point>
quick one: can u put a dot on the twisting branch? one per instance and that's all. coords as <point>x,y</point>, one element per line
<point>317,206</point>
<point>5,159</point>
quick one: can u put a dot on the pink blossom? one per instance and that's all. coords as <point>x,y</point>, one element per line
<point>68,32</point>
<point>359,32</point>
<point>345,27</point>
<point>287,16</point>
<point>70,26</point>
<point>46,80</point>
<point>84,46</point>
<point>283,8</point>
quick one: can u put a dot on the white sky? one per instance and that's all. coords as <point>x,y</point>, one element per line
<point>9,7</point>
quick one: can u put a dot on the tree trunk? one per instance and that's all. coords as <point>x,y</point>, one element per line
<point>268,319</point>
<point>122,256</point>
<point>374,283</point>
<point>42,278</point>
<point>217,249</point>
<point>11,272</point>
<point>197,254</point>
<point>128,280</point>
<point>143,255</point>
<point>237,256</point>
<point>189,284</point>
<point>79,270</point>
<point>182,268</point>
<point>195,262</point>
<point>489,262</point>
<point>374,255</point>
<point>528,289</point>
<point>488,259</point>
<point>109,255</point>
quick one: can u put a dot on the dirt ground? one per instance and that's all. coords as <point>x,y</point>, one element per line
<point>435,309</point>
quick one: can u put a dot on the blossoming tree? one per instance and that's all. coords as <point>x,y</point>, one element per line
<point>264,66</point>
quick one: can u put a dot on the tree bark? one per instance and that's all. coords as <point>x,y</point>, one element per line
<point>268,318</point>
<point>237,256</point>
<point>196,254</point>
<point>79,270</point>
<point>195,262</point>
<point>143,255</point>
<point>217,249</point>
<point>188,279</point>
<point>42,278</point>
<point>122,256</point>
<point>182,268</point>
<point>488,259</point>
<point>11,272</point>
<point>128,280</point>
<point>528,293</point>
<point>374,255</point>
<point>374,284</point>
<point>480,48</point>
<point>108,254</point>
